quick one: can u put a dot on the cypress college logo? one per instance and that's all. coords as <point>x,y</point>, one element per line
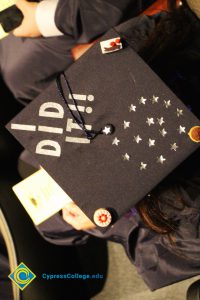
<point>22,276</point>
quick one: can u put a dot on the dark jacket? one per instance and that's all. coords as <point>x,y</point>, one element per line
<point>86,19</point>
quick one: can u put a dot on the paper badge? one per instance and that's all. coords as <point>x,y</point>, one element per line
<point>111,45</point>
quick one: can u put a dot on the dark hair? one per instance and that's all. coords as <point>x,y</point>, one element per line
<point>156,217</point>
<point>173,32</point>
<point>171,44</point>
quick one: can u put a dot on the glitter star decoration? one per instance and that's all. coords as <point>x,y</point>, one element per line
<point>150,121</point>
<point>137,139</point>
<point>132,108</point>
<point>126,124</point>
<point>154,99</point>
<point>151,143</point>
<point>181,129</point>
<point>179,112</point>
<point>161,159</point>
<point>142,100</point>
<point>163,132</point>
<point>160,121</point>
<point>167,103</point>
<point>143,166</point>
<point>116,141</point>
<point>126,157</point>
<point>174,146</point>
<point>106,130</point>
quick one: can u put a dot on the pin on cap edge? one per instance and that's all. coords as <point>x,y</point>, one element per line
<point>102,217</point>
<point>111,45</point>
<point>194,134</point>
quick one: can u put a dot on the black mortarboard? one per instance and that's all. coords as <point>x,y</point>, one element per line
<point>130,133</point>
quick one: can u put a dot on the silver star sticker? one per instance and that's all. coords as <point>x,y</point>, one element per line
<point>181,129</point>
<point>160,159</point>
<point>106,130</point>
<point>143,166</point>
<point>151,143</point>
<point>174,147</point>
<point>160,121</point>
<point>132,108</point>
<point>142,100</point>
<point>126,124</point>
<point>163,132</point>
<point>126,157</point>
<point>167,103</point>
<point>116,141</point>
<point>150,121</point>
<point>137,139</point>
<point>154,99</point>
<point>179,112</point>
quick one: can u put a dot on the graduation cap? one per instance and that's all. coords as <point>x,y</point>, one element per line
<point>108,130</point>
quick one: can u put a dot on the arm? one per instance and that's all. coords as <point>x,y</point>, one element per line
<point>82,19</point>
<point>74,216</point>
<point>87,19</point>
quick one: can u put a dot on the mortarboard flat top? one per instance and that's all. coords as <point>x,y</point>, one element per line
<point>112,171</point>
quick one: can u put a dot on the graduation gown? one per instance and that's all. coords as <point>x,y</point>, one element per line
<point>87,19</point>
<point>79,22</point>
<point>159,262</point>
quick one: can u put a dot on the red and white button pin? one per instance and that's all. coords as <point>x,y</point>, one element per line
<point>102,217</point>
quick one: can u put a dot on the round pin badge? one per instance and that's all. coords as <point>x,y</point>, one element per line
<point>102,217</point>
<point>194,134</point>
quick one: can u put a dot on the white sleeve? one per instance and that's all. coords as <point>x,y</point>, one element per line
<point>45,18</point>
